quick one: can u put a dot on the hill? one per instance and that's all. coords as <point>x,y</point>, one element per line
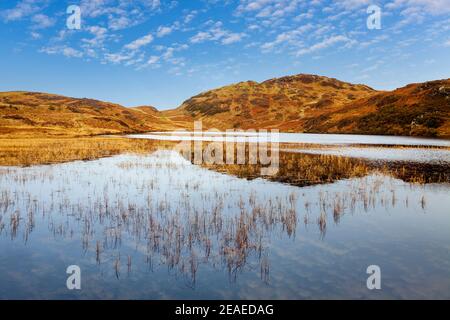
<point>420,109</point>
<point>316,104</point>
<point>34,113</point>
<point>285,103</point>
<point>300,103</point>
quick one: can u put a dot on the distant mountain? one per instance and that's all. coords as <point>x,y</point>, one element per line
<point>300,103</point>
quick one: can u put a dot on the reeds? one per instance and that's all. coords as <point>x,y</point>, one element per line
<point>33,151</point>
<point>302,169</point>
<point>193,222</point>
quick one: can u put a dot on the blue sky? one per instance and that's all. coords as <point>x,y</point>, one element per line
<point>157,52</point>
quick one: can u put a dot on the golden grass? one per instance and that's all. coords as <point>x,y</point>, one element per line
<point>296,169</point>
<point>25,114</point>
<point>229,229</point>
<point>303,169</point>
<point>32,151</point>
<point>286,103</point>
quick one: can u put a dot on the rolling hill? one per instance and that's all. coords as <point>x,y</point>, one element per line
<point>315,104</point>
<point>299,103</point>
<point>420,109</point>
<point>287,103</point>
<point>34,113</point>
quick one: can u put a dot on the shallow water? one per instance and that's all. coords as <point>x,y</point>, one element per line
<point>310,138</point>
<point>419,155</point>
<point>158,227</point>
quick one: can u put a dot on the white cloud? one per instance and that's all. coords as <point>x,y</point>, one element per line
<point>155,4</point>
<point>435,7</point>
<point>163,31</point>
<point>100,35</point>
<point>97,31</point>
<point>138,43</point>
<point>353,4</point>
<point>217,33</point>
<point>23,9</point>
<point>292,37</point>
<point>268,8</point>
<point>119,23</point>
<point>200,37</point>
<point>190,16</point>
<point>169,52</point>
<point>71,52</point>
<point>35,35</point>
<point>232,38</point>
<point>120,14</point>
<point>152,60</point>
<point>323,44</point>
<point>304,16</point>
<point>41,21</point>
<point>117,57</point>
<point>64,50</point>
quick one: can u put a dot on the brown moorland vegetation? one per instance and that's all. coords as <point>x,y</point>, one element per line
<point>299,103</point>
<point>29,151</point>
<point>38,128</point>
<point>25,114</point>
<point>301,169</point>
<point>421,109</point>
<point>283,103</point>
<point>315,104</point>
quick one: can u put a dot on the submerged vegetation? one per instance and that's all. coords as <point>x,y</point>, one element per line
<point>297,169</point>
<point>149,209</point>
<point>124,202</point>
<point>302,169</point>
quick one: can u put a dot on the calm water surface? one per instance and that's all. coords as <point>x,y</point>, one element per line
<point>387,148</point>
<point>159,227</point>
<point>325,139</point>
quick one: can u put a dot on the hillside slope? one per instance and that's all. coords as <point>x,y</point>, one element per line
<point>301,103</point>
<point>420,109</point>
<point>284,103</point>
<point>34,113</point>
<point>310,103</point>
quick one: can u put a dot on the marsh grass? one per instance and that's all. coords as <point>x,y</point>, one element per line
<point>37,151</point>
<point>229,231</point>
<point>301,169</point>
<point>186,233</point>
<point>294,168</point>
<point>418,173</point>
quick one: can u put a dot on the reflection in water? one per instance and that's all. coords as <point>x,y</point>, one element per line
<point>291,138</point>
<point>162,212</point>
<point>415,155</point>
<point>302,169</point>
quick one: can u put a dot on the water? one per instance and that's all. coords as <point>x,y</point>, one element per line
<point>310,138</point>
<point>159,227</point>
<point>386,148</point>
<point>419,155</point>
